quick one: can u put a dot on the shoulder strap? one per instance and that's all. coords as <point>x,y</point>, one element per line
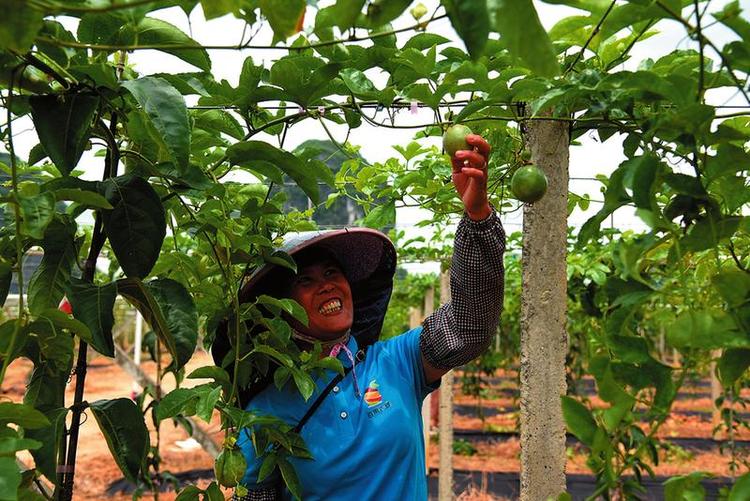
<point>358,358</point>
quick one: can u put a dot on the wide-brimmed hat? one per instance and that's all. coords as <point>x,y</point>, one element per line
<point>367,258</point>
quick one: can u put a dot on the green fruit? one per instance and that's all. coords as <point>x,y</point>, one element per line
<point>454,139</point>
<point>528,184</point>
<point>230,466</point>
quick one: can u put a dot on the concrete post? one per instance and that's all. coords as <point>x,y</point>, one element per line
<point>415,318</point>
<point>543,316</point>
<point>445,475</point>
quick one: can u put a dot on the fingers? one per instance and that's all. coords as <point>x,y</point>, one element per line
<point>473,159</point>
<point>480,144</point>
<point>474,173</point>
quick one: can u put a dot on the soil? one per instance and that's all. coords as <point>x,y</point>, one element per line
<point>96,469</point>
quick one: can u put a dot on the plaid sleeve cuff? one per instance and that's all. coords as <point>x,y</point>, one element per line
<point>264,494</point>
<point>460,331</point>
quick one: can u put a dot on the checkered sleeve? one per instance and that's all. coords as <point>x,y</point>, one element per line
<point>461,330</point>
<point>267,494</point>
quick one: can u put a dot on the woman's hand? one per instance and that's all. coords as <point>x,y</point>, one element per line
<point>470,177</point>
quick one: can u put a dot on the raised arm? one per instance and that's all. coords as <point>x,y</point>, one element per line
<point>461,330</point>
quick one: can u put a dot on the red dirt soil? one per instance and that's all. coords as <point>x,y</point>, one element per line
<point>96,469</point>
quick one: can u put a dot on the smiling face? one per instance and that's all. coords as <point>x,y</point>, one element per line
<point>324,292</point>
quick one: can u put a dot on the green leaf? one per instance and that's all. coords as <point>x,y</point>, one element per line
<point>268,465</point>
<point>733,286</point>
<point>189,493</point>
<point>88,199</point>
<point>614,198</point>
<point>46,393</point>
<point>644,177</point>
<point>283,16</point>
<point>50,280</point>
<point>381,216</point>
<point>94,306</point>
<point>151,31</point>
<point>213,372</point>
<point>10,477</point>
<point>181,316</point>
<point>732,365</point>
<point>709,232</point>
<point>51,320</point>
<point>175,402</point>
<point>219,121</point>
<point>305,79</point>
<point>205,406</point>
<point>304,383</point>
<point>344,14</point>
<point>701,329</point>
<point>518,24</point>
<point>167,111</point>
<point>251,153</point>
<point>290,477</point>
<point>740,489</point>
<point>136,225</point>
<point>381,12</point>
<point>358,83</point>
<point>217,8</point>
<point>122,424</point>
<point>288,305</point>
<point>6,276</point>
<point>37,211</point>
<point>471,21</point>
<point>7,329</point>
<point>63,122</point>
<point>23,415</point>
<point>169,310</point>
<point>21,22</point>
<point>579,420</point>
<point>685,487</point>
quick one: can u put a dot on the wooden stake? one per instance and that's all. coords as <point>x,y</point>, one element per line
<point>543,316</point>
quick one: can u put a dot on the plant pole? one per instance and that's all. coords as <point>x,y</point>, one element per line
<point>66,471</point>
<point>543,315</point>
<point>445,473</point>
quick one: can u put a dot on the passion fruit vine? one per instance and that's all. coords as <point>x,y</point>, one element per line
<point>528,184</point>
<point>454,139</point>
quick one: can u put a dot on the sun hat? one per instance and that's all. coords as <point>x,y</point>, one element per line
<point>366,256</point>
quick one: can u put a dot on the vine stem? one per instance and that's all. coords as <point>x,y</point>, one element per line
<point>19,242</point>
<point>314,45</point>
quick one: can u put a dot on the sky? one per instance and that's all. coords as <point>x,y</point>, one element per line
<point>586,161</point>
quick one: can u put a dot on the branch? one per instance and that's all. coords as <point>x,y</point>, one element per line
<point>691,29</point>
<point>701,47</point>
<point>735,258</point>
<point>591,37</point>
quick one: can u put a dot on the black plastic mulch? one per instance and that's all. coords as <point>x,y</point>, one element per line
<point>507,485</point>
<point>693,444</point>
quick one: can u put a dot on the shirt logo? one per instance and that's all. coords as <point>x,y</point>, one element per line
<point>372,395</point>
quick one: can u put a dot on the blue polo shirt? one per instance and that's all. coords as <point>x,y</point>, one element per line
<point>371,447</point>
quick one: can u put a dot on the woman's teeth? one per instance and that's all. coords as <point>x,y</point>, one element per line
<point>331,306</point>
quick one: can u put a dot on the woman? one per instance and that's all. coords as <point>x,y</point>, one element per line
<point>366,436</point>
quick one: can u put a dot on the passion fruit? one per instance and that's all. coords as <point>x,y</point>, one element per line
<point>230,466</point>
<point>528,184</point>
<point>454,139</point>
